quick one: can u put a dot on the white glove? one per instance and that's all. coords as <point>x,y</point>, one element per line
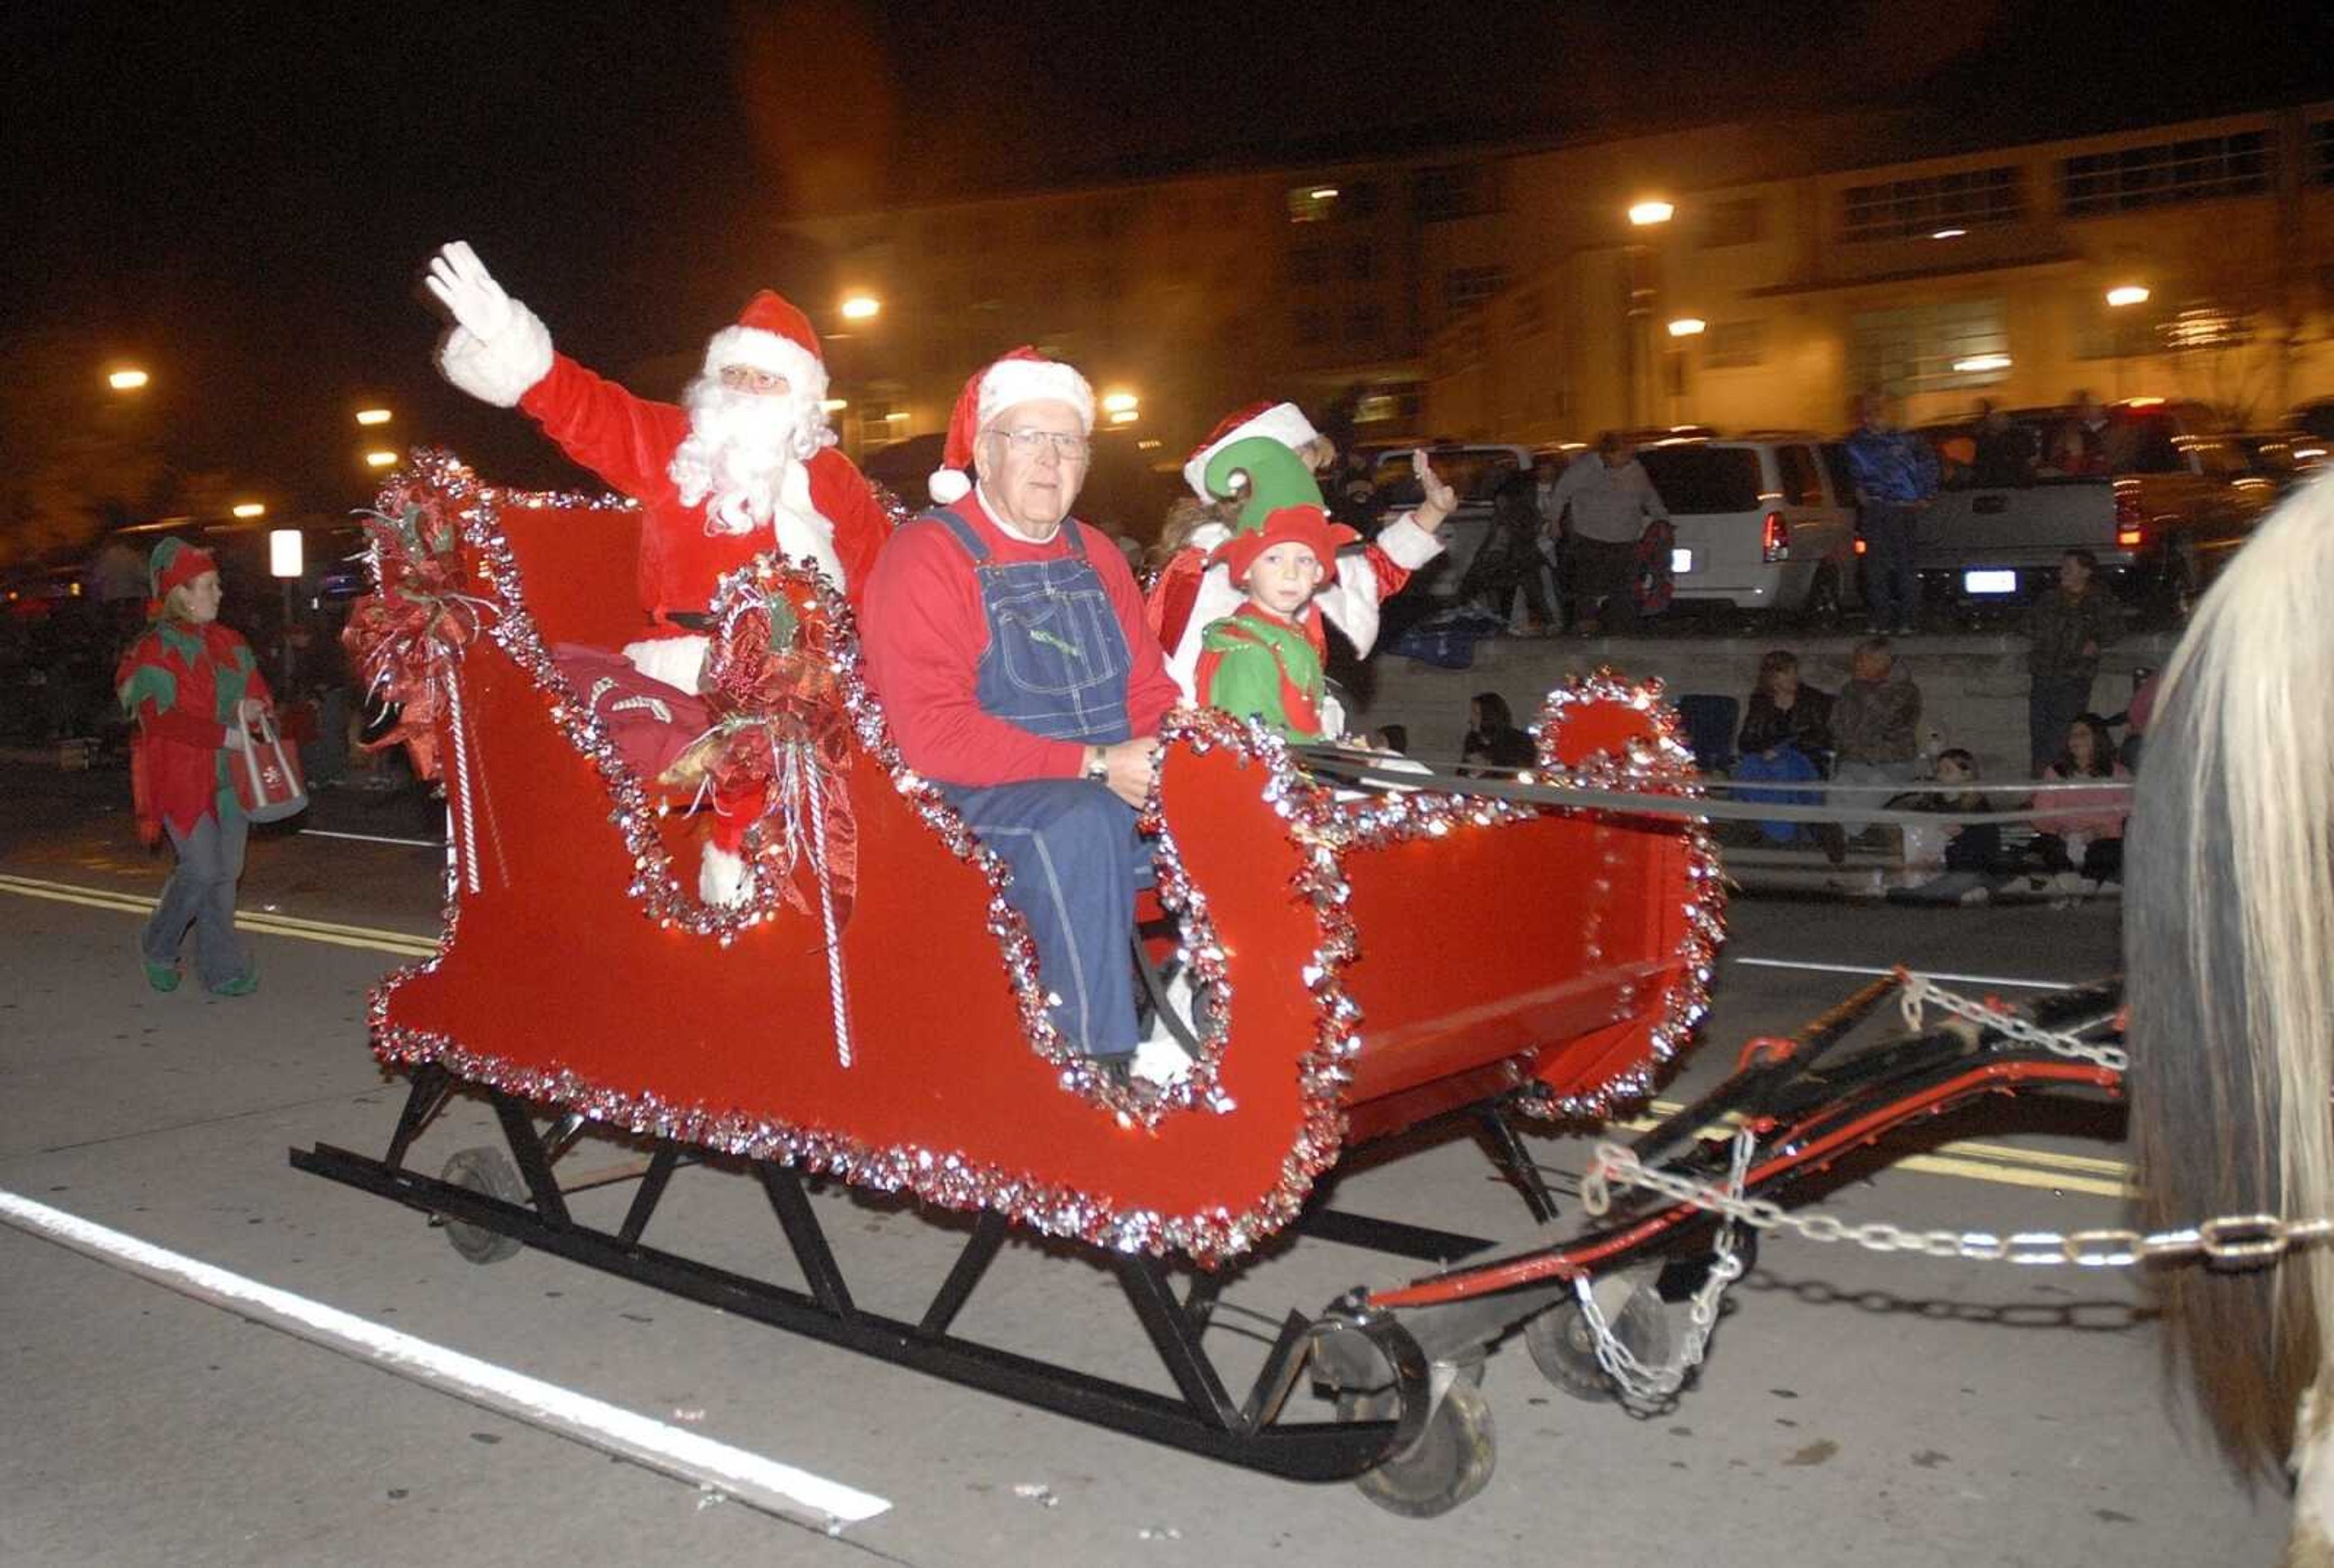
<point>498,349</point>
<point>468,291</point>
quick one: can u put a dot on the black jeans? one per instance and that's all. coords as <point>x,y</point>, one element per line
<point>1892,588</point>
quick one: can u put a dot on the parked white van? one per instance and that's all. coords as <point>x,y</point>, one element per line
<point>1764,522</point>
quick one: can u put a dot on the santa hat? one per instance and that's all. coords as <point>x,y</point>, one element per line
<point>1280,504</point>
<point>771,335</point>
<point>1283,423</point>
<point>1023,376</point>
<point>174,564</point>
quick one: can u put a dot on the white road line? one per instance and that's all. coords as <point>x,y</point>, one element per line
<point>1932,974</point>
<point>748,1478</point>
<point>373,838</point>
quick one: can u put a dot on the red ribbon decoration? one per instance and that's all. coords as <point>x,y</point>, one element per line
<point>406,638</point>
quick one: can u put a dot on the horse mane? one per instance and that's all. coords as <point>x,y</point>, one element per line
<point>2229,955</point>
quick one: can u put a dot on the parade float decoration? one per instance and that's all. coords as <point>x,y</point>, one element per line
<point>1372,952</point>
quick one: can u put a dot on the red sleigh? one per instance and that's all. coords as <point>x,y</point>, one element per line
<point>1375,962</point>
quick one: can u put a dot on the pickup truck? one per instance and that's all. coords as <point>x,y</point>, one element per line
<point>2160,496</point>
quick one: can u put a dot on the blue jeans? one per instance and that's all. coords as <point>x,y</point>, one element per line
<point>1076,861</point>
<point>201,893</point>
<point>1892,587</point>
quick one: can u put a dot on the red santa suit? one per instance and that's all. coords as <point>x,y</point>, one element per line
<point>824,512</point>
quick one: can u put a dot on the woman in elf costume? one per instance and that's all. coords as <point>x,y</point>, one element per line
<point>190,683</point>
<point>1263,660</point>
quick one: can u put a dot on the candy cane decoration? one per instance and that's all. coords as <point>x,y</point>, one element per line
<point>826,912</point>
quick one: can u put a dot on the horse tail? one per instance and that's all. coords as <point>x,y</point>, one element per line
<point>2229,955</point>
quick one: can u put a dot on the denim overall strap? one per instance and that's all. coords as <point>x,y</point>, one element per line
<point>1056,660</point>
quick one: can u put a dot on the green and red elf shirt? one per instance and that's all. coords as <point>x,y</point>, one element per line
<point>183,684</point>
<point>1255,665</point>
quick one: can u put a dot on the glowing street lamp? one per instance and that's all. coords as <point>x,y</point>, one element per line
<point>1125,416</point>
<point>1651,211</point>
<point>1688,327</point>
<point>1120,402</point>
<point>2124,295</point>
<point>373,416</point>
<point>1977,364</point>
<point>1949,233</point>
<point>250,509</point>
<point>129,379</point>
<point>861,307</point>
<point>380,458</point>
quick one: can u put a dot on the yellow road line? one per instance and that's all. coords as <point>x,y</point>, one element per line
<point>402,943</point>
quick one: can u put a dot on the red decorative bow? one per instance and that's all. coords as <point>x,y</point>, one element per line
<point>406,639</point>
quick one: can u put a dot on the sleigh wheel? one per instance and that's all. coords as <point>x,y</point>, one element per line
<point>488,1170</point>
<point>1564,1347</point>
<point>1452,1461</point>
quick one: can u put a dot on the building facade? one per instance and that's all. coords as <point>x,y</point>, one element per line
<point>1508,294</point>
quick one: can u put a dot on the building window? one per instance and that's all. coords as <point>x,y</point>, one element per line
<point>1454,191</point>
<point>1738,220</point>
<point>2321,152</point>
<point>1531,312</point>
<point>1313,202</point>
<point>1364,326</point>
<point>1361,263</point>
<point>1466,288</point>
<point>2170,171</point>
<point>1312,325</point>
<point>1918,349</point>
<point>1308,263</point>
<point>1916,208</point>
<point>1733,345</point>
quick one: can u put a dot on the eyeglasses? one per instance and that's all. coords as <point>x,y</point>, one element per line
<point>752,379</point>
<point>1067,447</point>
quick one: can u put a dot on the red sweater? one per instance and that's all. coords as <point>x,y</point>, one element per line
<point>629,441</point>
<point>183,684</point>
<point>926,632</point>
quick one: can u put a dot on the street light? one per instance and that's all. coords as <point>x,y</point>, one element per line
<point>284,564</point>
<point>1120,402</point>
<point>2124,295</point>
<point>373,416</point>
<point>129,379</point>
<point>1688,327</point>
<point>1651,211</point>
<point>380,458</point>
<point>1978,364</point>
<point>250,509</point>
<point>1644,287</point>
<point>861,307</point>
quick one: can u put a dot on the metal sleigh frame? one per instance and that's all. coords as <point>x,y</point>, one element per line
<point>1393,1356</point>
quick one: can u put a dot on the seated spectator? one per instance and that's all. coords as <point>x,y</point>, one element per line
<point>1969,860</point>
<point>2085,850</point>
<point>1390,737</point>
<point>1786,736</point>
<point>1492,737</point>
<point>1874,722</point>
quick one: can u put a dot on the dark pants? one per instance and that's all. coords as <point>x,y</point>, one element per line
<point>1598,572</point>
<point>201,893</point>
<point>1506,565</point>
<point>1892,588</point>
<point>1076,861</point>
<point>2053,705</point>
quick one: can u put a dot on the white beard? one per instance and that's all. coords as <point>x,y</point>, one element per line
<point>746,459</point>
<point>739,446</point>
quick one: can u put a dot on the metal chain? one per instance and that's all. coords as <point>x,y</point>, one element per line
<point>1920,990</point>
<point>2229,1241</point>
<point>1643,1385</point>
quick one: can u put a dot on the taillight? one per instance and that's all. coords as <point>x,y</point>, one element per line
<point>2131,531</point>
<point>2130,538</point>
<point>1859,546</point>
<point>1775,539</point>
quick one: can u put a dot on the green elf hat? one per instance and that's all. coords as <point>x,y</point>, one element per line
<point>1280,504</point>
<point>173,562</point>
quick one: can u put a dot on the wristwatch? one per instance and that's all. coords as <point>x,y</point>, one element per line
<point>1097,768</point>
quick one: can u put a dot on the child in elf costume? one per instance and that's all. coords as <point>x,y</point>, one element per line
<point>1263,660</point>
<point>1192,593</point>
<point>190,683</point>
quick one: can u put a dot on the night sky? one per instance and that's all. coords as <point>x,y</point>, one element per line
<point>241,196</point>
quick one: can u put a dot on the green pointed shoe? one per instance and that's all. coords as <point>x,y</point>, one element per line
<point>162,976</point>
<point>243,984</point>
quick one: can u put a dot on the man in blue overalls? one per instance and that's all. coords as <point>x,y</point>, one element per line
<point>1007,642</point>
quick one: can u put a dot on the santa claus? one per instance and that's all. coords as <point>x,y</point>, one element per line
<point>1192,593</point>
<point>747,463</point>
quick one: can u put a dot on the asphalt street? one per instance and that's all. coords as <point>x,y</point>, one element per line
<point>1856,1408</point>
